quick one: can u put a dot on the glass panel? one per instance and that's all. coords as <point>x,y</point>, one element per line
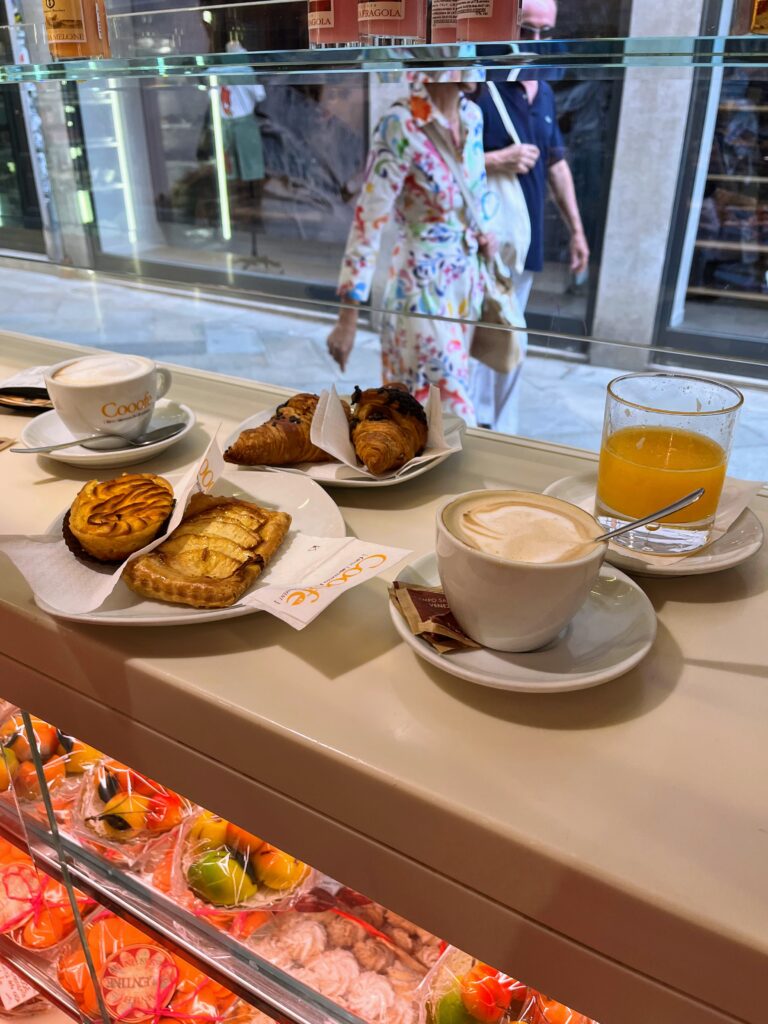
<point>724,253</point>
<point>171,876</point>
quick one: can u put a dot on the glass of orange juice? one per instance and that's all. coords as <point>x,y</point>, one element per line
<point>664,435</point>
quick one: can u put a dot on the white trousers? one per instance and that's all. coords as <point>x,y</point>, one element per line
<point>496,396</point>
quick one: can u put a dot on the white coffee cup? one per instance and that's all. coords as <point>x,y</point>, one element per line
<point>110,393</point>
<point>511,604</point>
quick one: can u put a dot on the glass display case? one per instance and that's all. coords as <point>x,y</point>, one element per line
<point>189,197</point>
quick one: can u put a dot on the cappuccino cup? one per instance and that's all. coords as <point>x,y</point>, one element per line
<point>110,393</point>
<point>516,566</point>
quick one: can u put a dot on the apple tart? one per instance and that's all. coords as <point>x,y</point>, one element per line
<point>213,556</point>
<point>110,519</point>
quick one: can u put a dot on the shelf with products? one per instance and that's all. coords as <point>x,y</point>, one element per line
<point>637,51</point>
<point>730,295</point>
<point>731,246</point>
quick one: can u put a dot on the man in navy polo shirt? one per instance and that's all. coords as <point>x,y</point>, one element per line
<point>539,161</point>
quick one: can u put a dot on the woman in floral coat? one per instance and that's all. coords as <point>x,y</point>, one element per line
<point>435,271</point>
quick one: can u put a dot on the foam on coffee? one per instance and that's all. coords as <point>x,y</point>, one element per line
<point>521,527</point>
<point>104,369</point>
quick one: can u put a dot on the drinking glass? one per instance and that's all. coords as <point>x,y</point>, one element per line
<point>664,435</point>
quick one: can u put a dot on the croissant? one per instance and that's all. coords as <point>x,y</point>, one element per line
<point>213,556</point>
<point>282,440</point>
<point>389,427</point>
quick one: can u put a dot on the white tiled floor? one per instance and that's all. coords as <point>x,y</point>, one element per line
<point>560,401</point>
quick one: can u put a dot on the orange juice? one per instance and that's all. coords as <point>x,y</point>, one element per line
<point>645,468</point>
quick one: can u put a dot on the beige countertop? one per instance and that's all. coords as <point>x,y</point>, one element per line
<point>610,845</point>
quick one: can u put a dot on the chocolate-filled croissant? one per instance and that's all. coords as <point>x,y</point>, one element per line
<point>389,427</point>
<point>282,440</point>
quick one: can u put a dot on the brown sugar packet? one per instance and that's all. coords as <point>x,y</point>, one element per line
<point>426,611</point>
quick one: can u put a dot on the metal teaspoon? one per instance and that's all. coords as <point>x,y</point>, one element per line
<point>169,430</point>
<point>667,511</point>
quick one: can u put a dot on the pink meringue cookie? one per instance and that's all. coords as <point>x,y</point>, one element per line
<point>371,997</point>
<point>331,973</point>
<point>303,940</point>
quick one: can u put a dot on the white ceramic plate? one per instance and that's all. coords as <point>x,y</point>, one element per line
<point>742,540</point>
<point>321,471</point>
<point>612,631</point>
<point>313,511</point>
<point>48,429</point>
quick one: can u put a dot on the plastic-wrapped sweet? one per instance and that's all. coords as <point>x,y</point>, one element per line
<point>140,980</point>
<point>64,760</point>
<point>552,1012</point>
<point>35,911</point>
<point>126,812</point>
<point>329,943</point>
<point>229,869</point>
<point>463,990</point>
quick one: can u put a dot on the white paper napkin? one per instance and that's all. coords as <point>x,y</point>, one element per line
<point>69,585</point>
<point>306,576</point>
<point>330,431</point>
<point>327,568</point>
<point>29,378</point>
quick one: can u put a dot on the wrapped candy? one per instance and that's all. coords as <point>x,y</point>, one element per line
<point>140,980</point>
<point>240,924</point>
<point>64,760</point>
<point>35,911</point>
<point>222,871</point>
<point>552,1012</point>
<point>463,990</point>
<point>125,812</point>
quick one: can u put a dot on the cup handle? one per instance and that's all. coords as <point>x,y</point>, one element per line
<point>164,381</point>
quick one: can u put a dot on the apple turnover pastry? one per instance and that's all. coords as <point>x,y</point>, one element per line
<point>213,555</point>
<point>389,427</point>
<point>110,519</point>
<point>284,439</point>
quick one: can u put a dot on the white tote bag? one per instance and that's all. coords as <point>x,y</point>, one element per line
<point>511,222</point>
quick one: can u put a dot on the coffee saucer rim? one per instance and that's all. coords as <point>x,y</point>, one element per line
<point>104,458</point>
<point>426,568</point>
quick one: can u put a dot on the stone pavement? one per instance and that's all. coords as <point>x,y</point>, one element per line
<point>561,400</point>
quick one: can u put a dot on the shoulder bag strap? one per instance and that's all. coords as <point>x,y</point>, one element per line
<point>506,120</point>
<point>432,132</point>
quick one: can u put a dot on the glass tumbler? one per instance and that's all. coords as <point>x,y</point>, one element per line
<point>664,435</point>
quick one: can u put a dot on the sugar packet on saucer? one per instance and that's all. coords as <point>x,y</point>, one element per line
<point>330,431</point>
<point>426,611</point>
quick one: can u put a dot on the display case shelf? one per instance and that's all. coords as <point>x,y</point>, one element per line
<point>30,969</point>
<point>636,51</point>
<point>230,963</point>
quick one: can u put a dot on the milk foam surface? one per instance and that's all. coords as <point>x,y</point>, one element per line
<point>521,531</point>
<point>100,370</point>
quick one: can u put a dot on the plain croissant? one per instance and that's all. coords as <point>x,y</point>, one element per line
<point>389,427</point>
<point>282,440</point>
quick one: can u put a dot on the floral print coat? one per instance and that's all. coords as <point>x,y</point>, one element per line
<point>435,271</point>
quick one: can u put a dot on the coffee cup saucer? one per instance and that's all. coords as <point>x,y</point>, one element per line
<point>742,539</point>
<point>612,631</point>
<point>49,429</point>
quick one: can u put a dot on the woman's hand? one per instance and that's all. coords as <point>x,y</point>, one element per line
<point>341,340</point>
<point>517,159</point>
<point>488,246</point>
